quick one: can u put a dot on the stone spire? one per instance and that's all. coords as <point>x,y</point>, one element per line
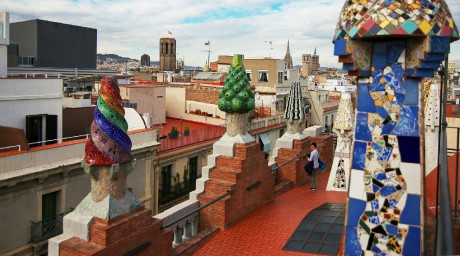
<point>288,59</point>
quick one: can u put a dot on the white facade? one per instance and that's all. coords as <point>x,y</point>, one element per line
<point>4,42</point>
<point>23,97</point>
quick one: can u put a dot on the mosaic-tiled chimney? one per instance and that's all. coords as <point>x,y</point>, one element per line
<point>294,114</point>
<point>343,127</point>
<point>108,157</point>
<point>405,41</point>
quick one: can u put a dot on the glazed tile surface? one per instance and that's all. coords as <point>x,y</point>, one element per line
<point>373,18</point>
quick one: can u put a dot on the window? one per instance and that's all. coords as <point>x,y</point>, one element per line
<point>249,75</point>
<point>161,48</point>
<point>325,121</point>
<point>49,206</point>
<point>263,76</point>
<point>166,50</point>
<point>285,75</point>
<point>172,48</point>
<point>166,179</point>
<point>319,98</point>
<point>332,119</point>
<point>26,61</point>
<point>280,77</point>
<point>193,171</point>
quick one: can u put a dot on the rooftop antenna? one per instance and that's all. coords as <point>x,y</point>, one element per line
<point>209,50</point>
<point>271,47</point>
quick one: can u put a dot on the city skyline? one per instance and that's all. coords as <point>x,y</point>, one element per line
<point>131,29</point>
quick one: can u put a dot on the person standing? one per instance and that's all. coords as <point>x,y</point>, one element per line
<point>314,156</point>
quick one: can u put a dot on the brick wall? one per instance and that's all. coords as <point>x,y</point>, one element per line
<point>123,234</point>
<point>294,170</point>
<point>203,94</point>
<point>248,175</point>
<point>325,148</point>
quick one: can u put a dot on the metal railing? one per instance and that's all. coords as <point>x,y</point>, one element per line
<point>45,229</point>
<point>194,136</point>
<point>58,139</point>
<point>15,146</point>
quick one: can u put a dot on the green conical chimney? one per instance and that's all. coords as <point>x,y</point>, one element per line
<point>236,96</point>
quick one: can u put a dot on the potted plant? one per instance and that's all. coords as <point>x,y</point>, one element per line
<point>174,133</point>
<point>187,130</point>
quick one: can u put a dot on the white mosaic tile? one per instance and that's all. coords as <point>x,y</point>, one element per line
<point>412,176</point>
<point>357,185</point>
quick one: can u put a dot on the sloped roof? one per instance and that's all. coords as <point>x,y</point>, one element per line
<point>209,76</point>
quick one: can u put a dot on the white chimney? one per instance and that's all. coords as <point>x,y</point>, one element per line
<point>4,42</point>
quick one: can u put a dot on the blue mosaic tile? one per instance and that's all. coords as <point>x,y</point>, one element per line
<point>355,210</point>
<point>381,176</point>
<point>348,66</point>
<point>381,111</point>
<point>395,49</point>
<point>430,64</point>
<point>377,147</point>
<point>388,128</point>
<point>440,44</point>
<point>413,239</point>
<point>352,245</point>
<point>435,57</point>
<point>375,205</point>
<point>392,229</point>
<point>379,55</point>
<point>374,220</point>
<point>375,188</point>
<point>411,88</point>
<point>393,82</point>
<point>386,154</point>
<point>387,190</point>
<point>340,47</point>
<point>398,99</point>
<point>397,70</point>
<point>365,102</point>
<point>362,130</point>
<point>359,155</point>
<point>376,85</point>
<point>411,213</point>
<point>424,72</point>
<point>408,122</point>
<point>376,249</point>
<point>409,149</point>
<point>393,203</point>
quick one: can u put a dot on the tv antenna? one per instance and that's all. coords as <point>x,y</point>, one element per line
<point>270,43</point>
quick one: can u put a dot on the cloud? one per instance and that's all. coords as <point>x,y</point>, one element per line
<point>132,28</point>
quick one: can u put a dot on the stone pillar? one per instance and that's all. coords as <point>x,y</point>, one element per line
<point>385,199</point>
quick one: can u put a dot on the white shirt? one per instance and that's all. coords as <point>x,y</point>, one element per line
<point>314,155</point>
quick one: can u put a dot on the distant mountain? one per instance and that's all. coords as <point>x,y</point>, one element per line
<point>114,56</point>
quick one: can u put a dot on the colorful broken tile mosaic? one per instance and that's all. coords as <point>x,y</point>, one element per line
<point>109,143</point>
<point>382,123</point>
<point>370,18</point>
<point>344,120</point>
<point>340,180</point>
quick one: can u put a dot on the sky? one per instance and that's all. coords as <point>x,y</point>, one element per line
<point>132,28</point>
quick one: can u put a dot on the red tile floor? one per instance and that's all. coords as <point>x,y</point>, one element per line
<point>265,230</point>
